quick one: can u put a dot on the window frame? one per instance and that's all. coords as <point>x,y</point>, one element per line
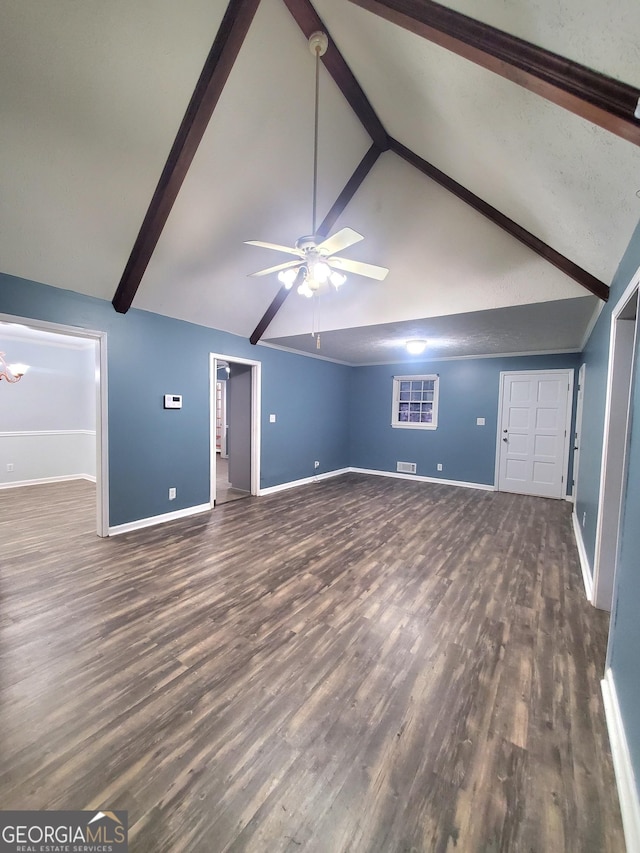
<point>396,423</point>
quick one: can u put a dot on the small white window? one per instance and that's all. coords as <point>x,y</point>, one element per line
<point>415,401</point>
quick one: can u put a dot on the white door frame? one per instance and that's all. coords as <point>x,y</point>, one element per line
<point>577,435</point>
<point>568,372</point>
<point>616,434</point>
<point>102,422</point>
<point>256,397</point>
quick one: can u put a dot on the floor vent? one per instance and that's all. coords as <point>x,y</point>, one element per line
<point>406,467</point>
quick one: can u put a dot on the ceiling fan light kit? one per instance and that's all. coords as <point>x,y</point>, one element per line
<point>318,263</point>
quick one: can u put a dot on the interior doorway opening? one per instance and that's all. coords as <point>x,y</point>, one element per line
<point>235,428</point>
<point>617,427</point>
<point>97,389</point>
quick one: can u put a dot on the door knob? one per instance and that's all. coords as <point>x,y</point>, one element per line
<point>505,439</point>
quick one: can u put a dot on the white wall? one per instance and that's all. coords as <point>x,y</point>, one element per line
<point>47,420</point>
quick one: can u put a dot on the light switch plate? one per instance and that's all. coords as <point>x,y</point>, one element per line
<point>480,421</point>
<point>272,419</point>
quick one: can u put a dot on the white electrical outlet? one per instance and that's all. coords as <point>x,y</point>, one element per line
<point>316,464</point>
<point>480,421</point>
<point>9,466</point>
<point>172,494</point>
<point>272,419</point>
<point>439,466</point>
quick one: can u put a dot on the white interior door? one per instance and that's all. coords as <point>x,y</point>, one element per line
<point>533,432</point>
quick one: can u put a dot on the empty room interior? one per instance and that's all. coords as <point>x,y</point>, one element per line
<point>319,422</point>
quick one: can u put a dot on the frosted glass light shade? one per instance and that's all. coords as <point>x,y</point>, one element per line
<point>287,277</point>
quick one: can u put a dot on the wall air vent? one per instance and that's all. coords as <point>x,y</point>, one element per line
<point>406,467</point>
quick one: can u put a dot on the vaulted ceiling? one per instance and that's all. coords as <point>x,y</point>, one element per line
<point>105,181</point>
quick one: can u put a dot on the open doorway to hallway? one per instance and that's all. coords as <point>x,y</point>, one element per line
<point>235,420</point>
<point>617,430</point>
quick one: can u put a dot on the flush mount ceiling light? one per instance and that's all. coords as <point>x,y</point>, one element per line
<point>416,346</point>
<point>11,372</point>
<point>317,263</point>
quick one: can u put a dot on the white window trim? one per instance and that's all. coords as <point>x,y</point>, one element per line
<point>395,423</point>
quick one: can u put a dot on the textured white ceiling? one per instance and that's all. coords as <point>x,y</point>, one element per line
<point>14,332</point>
<point>252,180</point>
<point>444,257</point>
<point>599,35</point>
<point>570,183</point>
<point>542,327</point>
<point>91,96</point>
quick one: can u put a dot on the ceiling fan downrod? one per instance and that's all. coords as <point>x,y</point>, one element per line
<point>318,44</point>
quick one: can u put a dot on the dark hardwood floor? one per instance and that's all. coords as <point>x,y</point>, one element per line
<point>362,664</point>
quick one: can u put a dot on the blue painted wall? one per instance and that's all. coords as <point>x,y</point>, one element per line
<point>596,357</point>
<point>150,448</point>
<point>469,389</point>
<point>624,636</point>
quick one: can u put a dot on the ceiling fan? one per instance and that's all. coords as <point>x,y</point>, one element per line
<point>317,262</point>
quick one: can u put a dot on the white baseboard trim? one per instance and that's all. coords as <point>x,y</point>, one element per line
<point>587,577</point>
<point>625,777</point>
<point>158,519</point>
<point>270,490</point>
<point>39,432</point>
<point>42,480</point>
<point>483,486</point>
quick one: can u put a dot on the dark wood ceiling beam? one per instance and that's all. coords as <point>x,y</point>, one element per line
<point>602,100</point>
<point>588,281</point>
<point>310,22</point>
<point>350,189</point>
<point>216,70</point>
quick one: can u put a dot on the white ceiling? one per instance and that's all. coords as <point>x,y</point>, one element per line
<point>11,333</point>
<point>91,96</point>
<point>557,326</point>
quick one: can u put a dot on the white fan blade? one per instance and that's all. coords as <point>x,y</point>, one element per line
<point>358,267</point>
<point>278,267</point>
<point>274,246</point>
<point>341,240</point>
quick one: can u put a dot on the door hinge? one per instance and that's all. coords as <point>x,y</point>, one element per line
<point>562,479</point>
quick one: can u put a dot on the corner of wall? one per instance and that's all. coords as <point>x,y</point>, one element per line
<point>587,574</point>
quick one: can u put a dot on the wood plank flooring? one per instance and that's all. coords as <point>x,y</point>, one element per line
<point>362,664</point>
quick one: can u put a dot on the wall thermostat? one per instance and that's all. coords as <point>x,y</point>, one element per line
<point>173,401</point>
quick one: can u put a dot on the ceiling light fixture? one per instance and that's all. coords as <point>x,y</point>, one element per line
<point>11,372</point>
<point>416,346</point>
